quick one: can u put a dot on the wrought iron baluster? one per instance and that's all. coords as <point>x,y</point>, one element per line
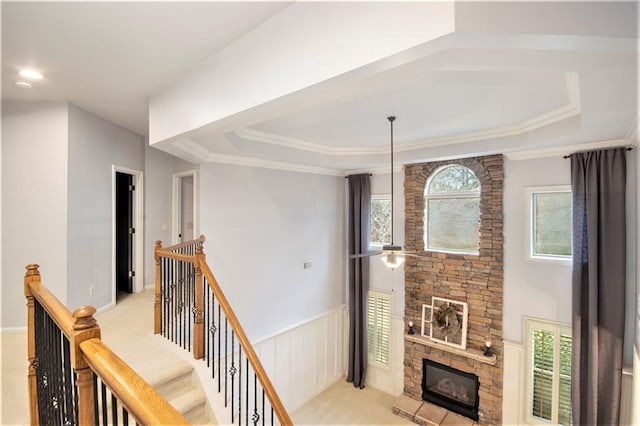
<point>219,353</point>
<point>96,412</point>
<point>239,383</point>
<point>125,417</point>
<point>226,355</point>
<point>114,409</point>
<point>103,389</point>
<point>232,371</point>
<point>246,391</point>
<point>206,320</point>
<point>69,383</point>
<point>255,418</point>
<point>263,416</point>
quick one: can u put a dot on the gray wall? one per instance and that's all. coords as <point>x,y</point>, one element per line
<point>543,290</point>
<point>261,225</point>
<point>157,199</point>
<point>536,289</point>
<point>95,145</point>
<point>34,201</point>
<point>159,168</point>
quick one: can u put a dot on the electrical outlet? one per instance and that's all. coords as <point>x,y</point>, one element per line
<point>92,290</point>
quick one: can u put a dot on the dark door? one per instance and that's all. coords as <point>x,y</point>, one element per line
<point>124,232</point>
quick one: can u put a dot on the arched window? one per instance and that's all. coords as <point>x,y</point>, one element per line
<point>452,210</point>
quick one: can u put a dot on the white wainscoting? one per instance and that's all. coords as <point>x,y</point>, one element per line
<point>305,359</point>
<point>513,383</point>
<point>390,379</point>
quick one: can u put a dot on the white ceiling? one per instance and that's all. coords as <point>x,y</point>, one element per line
<point>109,57</point>
<point>473,97</point>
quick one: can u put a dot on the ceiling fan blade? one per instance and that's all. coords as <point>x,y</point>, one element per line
<point>358,256</point>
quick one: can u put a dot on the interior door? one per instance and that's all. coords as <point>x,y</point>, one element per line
<point>186,208</point>
<point>124,232</point>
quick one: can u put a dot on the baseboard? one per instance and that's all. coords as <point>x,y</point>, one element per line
<point>105,308</point>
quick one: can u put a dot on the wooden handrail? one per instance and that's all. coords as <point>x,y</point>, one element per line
<point>58,312</point>
<point>202,270</point>
<point>141,400</point>
<point>174,247</point>
<point>177,256</point>
<point>88,355</point>
<point>276,403</point>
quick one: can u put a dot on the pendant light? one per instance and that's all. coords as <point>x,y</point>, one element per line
<point>392,254</point>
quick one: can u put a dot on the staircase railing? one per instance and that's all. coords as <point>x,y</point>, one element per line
<point>192,311</point>
<point>73,377</point>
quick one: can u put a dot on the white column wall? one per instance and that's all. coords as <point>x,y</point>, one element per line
<point>34,201</point>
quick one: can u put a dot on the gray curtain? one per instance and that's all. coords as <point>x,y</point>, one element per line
<point>359,206</point>
<point>598,181</point>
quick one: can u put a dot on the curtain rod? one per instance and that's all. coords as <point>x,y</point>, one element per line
<point>347,177</point>
<point>629,148</point>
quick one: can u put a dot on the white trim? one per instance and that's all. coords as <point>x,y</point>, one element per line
<point>197,151</point>
<point>378,170</point>
<point>176,196</point>
<point>106,307</point>
<point>528,226</point>
<point>296,325</point>
<point>557,328</point>
<point>138,224</point>
<point>571,109</point>
<point>513,382</point>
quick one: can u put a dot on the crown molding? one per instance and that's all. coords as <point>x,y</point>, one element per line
<point>192,148</point>
<point>376,171</point>
<point>571,109</point>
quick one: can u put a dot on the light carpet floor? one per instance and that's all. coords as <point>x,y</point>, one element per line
<point>132,320</point>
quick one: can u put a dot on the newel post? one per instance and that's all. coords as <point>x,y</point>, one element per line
<point>84,328</point>
<point>32,276</point>
<point>198,326</point>
<point>157,318</point>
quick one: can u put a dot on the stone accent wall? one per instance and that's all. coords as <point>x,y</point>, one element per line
<point>475,279</point>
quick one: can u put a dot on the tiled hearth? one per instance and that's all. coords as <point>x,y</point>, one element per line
<point>474,279</point>
<point>427,414</point>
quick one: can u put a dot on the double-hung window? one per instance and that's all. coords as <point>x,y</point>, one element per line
<point>380,217</point>
<point>379,305</point>
<point>548,361</point>
<point>549,223</point>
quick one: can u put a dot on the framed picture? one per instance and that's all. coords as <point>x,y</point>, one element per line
<point>445,321</point>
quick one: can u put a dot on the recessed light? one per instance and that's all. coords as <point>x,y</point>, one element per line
<point>32,74</point>
<point>23,85</point>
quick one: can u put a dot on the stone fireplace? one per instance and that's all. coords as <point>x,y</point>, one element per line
<point>474,279</point>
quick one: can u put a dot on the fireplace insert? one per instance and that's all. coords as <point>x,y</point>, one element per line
<point>450,388</point>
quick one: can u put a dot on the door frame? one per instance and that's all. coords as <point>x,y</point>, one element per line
<point>138,201</point>
<point>175,204</point>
